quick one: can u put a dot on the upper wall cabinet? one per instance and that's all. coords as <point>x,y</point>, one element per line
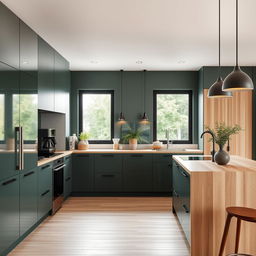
<point>9,34</point>
<point>45,76</point>
<point>28,49</point>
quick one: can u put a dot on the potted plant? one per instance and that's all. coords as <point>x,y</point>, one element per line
<point>83,141</point>
<point>133,136</point>
<point>222,135</point>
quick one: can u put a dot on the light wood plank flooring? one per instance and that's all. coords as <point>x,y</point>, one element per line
<point>108,226</point>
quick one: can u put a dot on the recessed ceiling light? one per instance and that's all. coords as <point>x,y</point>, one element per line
<point>94,62</point>
<point>139,62</point>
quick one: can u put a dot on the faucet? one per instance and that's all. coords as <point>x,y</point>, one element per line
<point>167,132</point>
<point>213,142</point>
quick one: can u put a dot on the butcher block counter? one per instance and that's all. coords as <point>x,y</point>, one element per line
<point>212,189</point>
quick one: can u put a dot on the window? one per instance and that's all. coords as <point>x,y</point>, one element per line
<point>96,115</point>
<point>173,111</point>
<point>2,117</point>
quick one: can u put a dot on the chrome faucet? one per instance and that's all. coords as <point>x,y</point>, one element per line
<point>213,142</point>
<point>167,135</point>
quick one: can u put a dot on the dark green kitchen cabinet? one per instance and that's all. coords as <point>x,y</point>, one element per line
<point>45,193</point>
<point>28,200</point>
<point>9,34</point>
<point>82,173</point>
<point>67,176</point>
<point>181,197</point>
<point>108,163</point>
<point>45,75</point>
<point>9,212</point>
<point>162,173</point>
<point>28,49</point>
<point>138,173</point>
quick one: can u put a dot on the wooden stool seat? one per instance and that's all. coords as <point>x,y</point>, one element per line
<point>241,213</point>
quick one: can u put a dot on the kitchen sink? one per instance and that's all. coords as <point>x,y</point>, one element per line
<point>196,158</point>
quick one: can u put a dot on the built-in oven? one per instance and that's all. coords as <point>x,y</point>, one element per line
<point>58,184</point>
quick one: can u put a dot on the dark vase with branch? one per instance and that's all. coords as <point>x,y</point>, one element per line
<point>222,134</point>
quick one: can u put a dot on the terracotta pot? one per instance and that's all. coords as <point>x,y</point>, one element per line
<point>133,143</point>
<point>83,145</point>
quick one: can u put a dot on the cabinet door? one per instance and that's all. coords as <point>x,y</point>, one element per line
<point>45,196</point>
<point>108,163</point>
<point>108,182</point>
<point>9,34</point>
<point>9,212</point>
<point>9,116</point>
<point>28,200</point>
<point>138,173</point>
<point>68,176</point>
<point>28,50</point>
<point>162,173</point>
<point>45,76</point>
<point>82,170</point>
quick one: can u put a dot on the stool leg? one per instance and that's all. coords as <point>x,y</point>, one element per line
<point>238,228</point>
<point>225,234</point>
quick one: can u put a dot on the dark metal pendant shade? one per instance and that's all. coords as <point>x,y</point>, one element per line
<point>144,119</point>
<point>237,80</point>
<point>121,117</point>
<point>215,91</point>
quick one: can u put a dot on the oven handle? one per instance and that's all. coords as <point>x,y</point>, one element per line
<point>59,167</point>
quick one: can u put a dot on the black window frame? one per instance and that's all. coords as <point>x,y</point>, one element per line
<point>190,94</point>
<point>81,93</point>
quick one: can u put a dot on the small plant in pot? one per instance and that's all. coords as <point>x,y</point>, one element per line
<point>83,141</point>
<point>134,136</point>
<point>222,135</point>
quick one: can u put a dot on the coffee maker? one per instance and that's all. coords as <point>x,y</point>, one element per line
<point>46,142</point>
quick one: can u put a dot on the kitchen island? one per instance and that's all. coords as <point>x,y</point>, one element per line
<point>212,189</point>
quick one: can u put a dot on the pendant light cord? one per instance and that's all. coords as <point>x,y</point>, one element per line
<point>219,37</point>
<point>121,90</point>
<point>236,32</point>
<point>144,88</point>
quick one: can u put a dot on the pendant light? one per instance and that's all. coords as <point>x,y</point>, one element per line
<point>144,119</point>
<point>215,91</point>
<point>121,119</point>
<point>237,79</point>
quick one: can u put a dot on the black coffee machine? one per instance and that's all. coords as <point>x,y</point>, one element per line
<point>46,142</point>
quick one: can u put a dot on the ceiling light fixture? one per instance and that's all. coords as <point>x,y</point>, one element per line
<point>144,119</point>
<point>237,80</point>
<point>215,91</point>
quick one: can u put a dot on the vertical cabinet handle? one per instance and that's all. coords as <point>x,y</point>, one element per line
<point>19,148</point>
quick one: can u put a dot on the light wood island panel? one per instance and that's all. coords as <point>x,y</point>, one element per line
<point>212,189</point>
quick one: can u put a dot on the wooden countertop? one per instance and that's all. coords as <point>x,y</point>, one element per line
<point>236,164</point>
<point>48,160</point>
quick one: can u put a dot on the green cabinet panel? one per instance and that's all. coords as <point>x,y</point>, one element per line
<point>9,212</point>
<point>108,163</point>
<point>162,173</point>
<point>28,49</point>
<point>45,76</point>
<point>28,200</point>
<point>82,173</point>
<point>108,182</point>
<point>9,34</point>
<point>138,173</point>
<point>67,176</point>
<point>45,192</point>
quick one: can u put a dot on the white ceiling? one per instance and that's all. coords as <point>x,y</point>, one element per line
<point>162,34</point>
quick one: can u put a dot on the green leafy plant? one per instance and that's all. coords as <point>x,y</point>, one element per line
<point>223,132</point>
<point>84,136</point>
<point>136,133</point>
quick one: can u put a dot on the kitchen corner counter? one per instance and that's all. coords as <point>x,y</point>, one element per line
<point>50,159</point>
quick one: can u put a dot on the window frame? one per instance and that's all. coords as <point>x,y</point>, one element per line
<point>190,93</point>
<point>111,92</point>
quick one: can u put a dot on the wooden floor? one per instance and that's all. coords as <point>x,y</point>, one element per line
<point>108,226</point>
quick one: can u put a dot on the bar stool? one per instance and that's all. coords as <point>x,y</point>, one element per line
<point>241,213</point>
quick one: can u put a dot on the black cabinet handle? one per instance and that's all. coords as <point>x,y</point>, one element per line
<point>184,173</point>
<point>185,208</point>
<point>108,155</point>
<point>44,167</point>
<point>175,193</point>
<point>67,179</point>
<point>28,174</point>
<point>46,192</point>
<point>8,182</point>
<point>107,175</point>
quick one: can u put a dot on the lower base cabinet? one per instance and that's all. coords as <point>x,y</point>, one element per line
<point>9,212</point>
<point>28,200</point>
<point>67,176</point>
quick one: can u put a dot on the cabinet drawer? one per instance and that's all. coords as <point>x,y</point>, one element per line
<point>44,203</point>
<point>44,178</point>
<point>162,157</point>
<point>108,163</point>
<point>108,182</point>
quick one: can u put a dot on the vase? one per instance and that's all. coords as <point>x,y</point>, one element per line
<point>83,145</point>
<point>221,157</point>
<point>133,144</point>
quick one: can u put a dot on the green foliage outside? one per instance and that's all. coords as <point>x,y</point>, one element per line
<point>97,116</point>
<point>1,116</point>
<point>173,114</point>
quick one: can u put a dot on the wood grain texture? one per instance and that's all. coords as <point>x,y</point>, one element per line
<point>213,188</point>
<point>108,226</point>
<point>235,110</point>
